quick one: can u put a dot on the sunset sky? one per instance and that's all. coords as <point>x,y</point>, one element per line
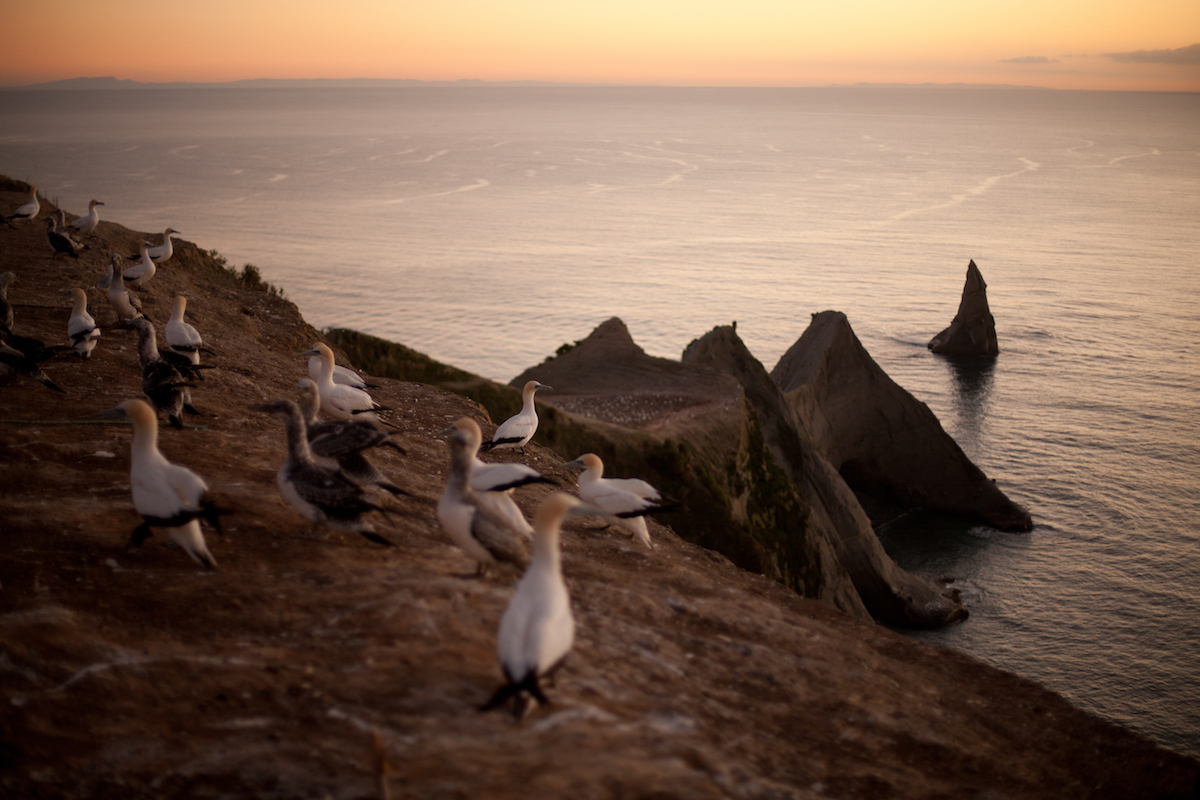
<point>1084,44</point>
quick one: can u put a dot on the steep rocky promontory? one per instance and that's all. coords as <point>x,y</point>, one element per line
<point>889,446</point>
<point>972,332</point>
<point>333,667</point>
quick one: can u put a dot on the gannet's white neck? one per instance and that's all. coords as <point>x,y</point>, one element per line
<point>178,308</point>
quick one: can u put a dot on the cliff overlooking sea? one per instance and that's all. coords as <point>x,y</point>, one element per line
<point>313,667</point>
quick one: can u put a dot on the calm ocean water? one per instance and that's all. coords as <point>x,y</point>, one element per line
<point>485,226</point>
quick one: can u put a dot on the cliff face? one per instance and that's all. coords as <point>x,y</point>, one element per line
<point>972,332</point>
<point>887,444</point>
<point>836,519</point>
<point>332,667</point>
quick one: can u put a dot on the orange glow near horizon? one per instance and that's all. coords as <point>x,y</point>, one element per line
<point>1053,43</point>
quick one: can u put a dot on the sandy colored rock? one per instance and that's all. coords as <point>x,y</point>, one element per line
<point>886,444</point>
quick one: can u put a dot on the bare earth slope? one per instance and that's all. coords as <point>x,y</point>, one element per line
<point>337,668</point>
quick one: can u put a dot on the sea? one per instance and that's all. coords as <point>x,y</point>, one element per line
<point>486,225</point>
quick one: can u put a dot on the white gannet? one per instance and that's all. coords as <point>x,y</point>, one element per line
<point>28,210</point>
<point>87,223</point>
<point>622,501</point>
<point>338,400</point>
<point>500,479</point>
<point>125,304</point>
<point>162,383</point>
<point>321,495</point>
<point>60,243</point>
<point>472,519</point>
<point>342,375</point>
<point>537,629</point>
<point>82,332</point>
<point>165,494</point>
<point>182,337</point>
<point>162,252</point>
<point>341,443</point>
<point>141,272</point>
<point>517,430</point>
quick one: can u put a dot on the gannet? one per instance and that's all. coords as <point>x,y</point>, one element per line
<point>500,480</point>
<point>27,211</point>
<point>517,430</point>
<point>165,494</point>
<point>17,363</point>
<point>66,231</point>
<point>341,443</point>
<point>60,243</point>
<point>182,337</point>
<point>125,304</point>
<point>163,251</point>
<point>537,629</point>
<point>471,519</point>
<point>321,495</point>
<point>82,332</point>
<point>86,224</point>
<point>623,501</point>
<point>162,383</point>
<point>141,272</point>
<point>342,375</point>
<point>337,400</point>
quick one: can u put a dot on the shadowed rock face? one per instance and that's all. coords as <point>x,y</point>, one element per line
<point>837,522</point>
<point>884,442</point>
<point>973,331</point>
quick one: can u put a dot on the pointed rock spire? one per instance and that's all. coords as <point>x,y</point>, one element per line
<point>973,331</point>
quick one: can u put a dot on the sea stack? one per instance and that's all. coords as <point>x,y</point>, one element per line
<point>973,331</point>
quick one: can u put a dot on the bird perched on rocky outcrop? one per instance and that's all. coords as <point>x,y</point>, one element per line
<point>182,337</point>
<point>500,479</point>
<point>342,375</point>
<point>160,253</point>
<point>622,501</point>
<point>87,223</point>
<point>342,443</point>
<point>166,495</point>
<point>126,305</point>
<point>472,519</point>
<point>24,211</point>
<point>517,430</point>
<point>339,400</point>
<point>162,383</point>
<point>323,496</point>
<point>82,332</point>
<point>537,629</point>
<point>60,243</point>
<point>140,273</point>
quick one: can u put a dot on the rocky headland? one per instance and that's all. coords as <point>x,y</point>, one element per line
<point>739,659</point>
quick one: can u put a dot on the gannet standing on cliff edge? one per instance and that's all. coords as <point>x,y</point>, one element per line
<point>623,500</point>
<point>499,480</point>
<point>517,430</point>
<point>342,443</point>
<point>471,519</point>
<point>537,629</point>
<point>140,272</point>
<point>25,211</point>
<point>82,332</point>
<point>87,223</point>
<point>338,400</point>
<point>162,252</point>
<point>321,495</point>
<point>165,494</point>
<point>60,243</point>
<point>182,337</point>
<point>125,304</point>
